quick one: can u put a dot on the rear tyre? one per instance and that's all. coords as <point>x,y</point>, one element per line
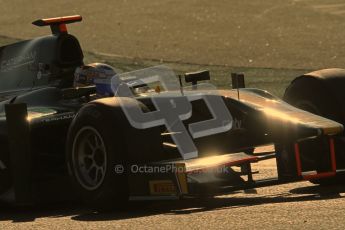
<point>310,94</point>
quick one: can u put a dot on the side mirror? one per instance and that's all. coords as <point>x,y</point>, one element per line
<point>237,80</point>
<point>194,77</point>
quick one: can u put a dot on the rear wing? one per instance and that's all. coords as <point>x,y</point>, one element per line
<point>58,24</point>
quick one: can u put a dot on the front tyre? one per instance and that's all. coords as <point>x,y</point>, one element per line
<point>321,93</point>
<point>94,149</point>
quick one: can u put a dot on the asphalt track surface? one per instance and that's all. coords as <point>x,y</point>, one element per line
<point>272,33</point>
<point>296,34</point>
<point>291,206</point>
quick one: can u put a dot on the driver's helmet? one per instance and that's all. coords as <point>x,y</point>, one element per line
<point>98,74</point>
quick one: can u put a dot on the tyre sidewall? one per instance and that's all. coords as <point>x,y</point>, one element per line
<point>114,189</point>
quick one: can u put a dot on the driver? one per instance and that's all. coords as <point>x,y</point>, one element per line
<point>97,74</point>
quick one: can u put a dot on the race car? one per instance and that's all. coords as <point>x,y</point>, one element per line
<point>144,135</point>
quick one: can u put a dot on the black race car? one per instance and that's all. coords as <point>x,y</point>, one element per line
<point>58,140</point>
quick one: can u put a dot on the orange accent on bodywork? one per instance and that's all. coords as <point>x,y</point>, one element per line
<point>63,28</point>
<point>298,160</point>
<point>333,159</point>
<point>62,19</point>
<point>317,175</point>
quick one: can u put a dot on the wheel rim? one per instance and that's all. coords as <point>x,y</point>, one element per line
<point>89,158</point>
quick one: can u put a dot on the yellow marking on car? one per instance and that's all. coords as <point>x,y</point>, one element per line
<point>181,177</point>
<point>162,187</point>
